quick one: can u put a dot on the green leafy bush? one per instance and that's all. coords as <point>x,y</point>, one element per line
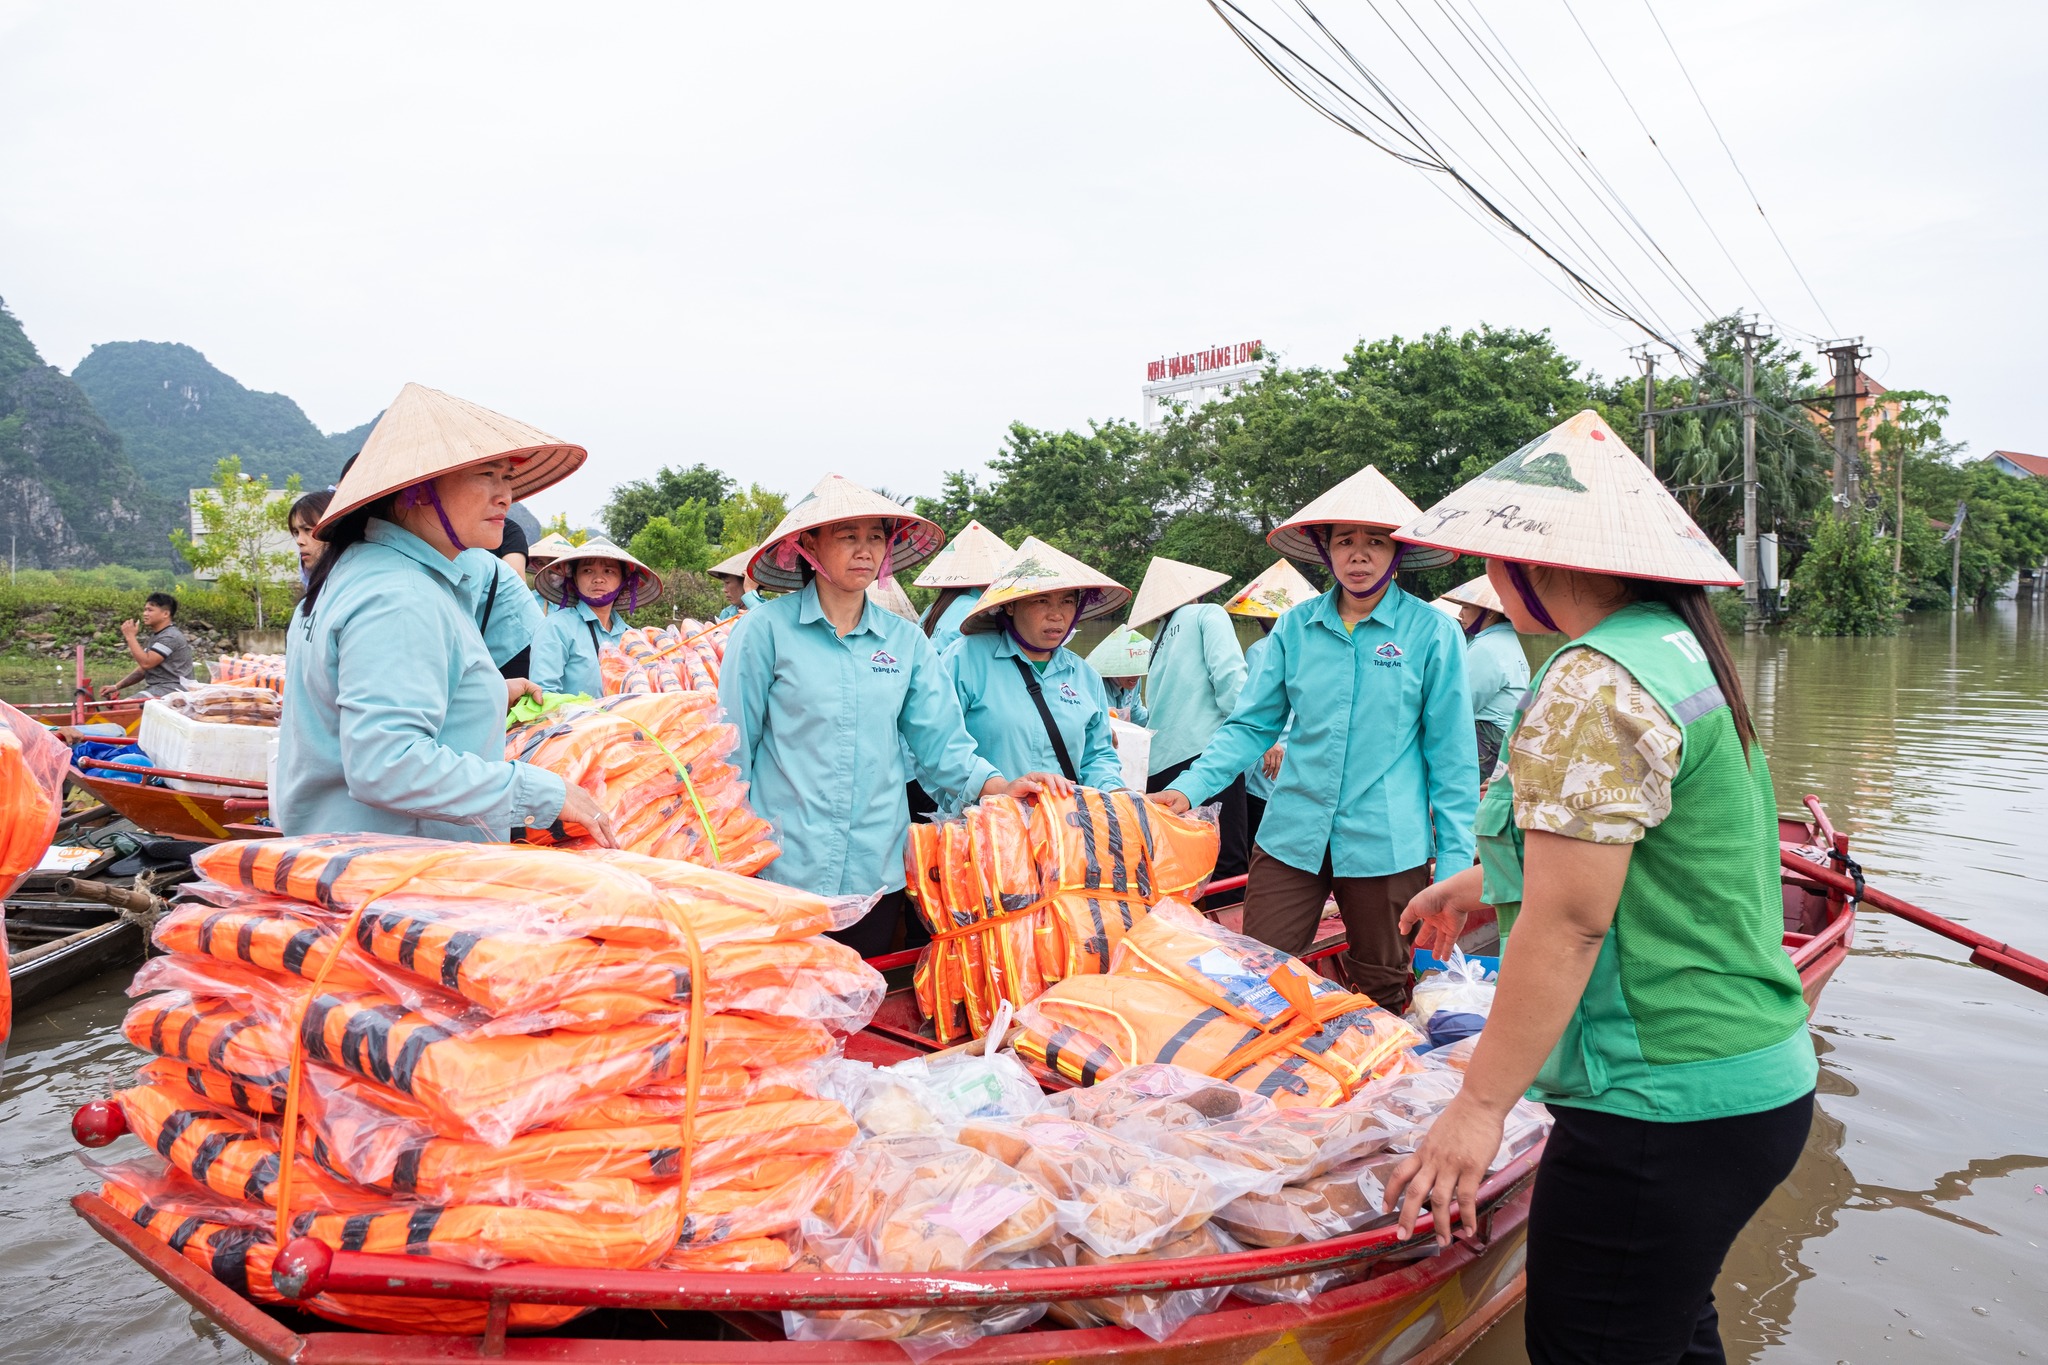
<point>1844,584</point>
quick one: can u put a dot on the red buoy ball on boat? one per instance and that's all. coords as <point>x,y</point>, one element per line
<point>300,1270</point>
<point>98,1122</point>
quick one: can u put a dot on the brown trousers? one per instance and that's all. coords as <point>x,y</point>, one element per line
<point>1283,905</point>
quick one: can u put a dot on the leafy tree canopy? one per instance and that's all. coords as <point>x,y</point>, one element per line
<point>668,544</point>
<point>242,547</point>
<point>632,505</point>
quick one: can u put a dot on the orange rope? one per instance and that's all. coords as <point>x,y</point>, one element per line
<point>693,1066</point>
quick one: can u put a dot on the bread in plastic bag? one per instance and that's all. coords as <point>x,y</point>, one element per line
<point>1114,1195</point>
<point>1157,1315</point>
<point>933,1095</point>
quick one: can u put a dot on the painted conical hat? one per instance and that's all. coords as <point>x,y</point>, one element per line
<point>1367,498</point>
<point>1169,584</point>
<point>1272,593</point>
<point>774,565</point>
<point>970,560</point>
<point>734,565</point>
<point>1576,497</point>
<point>1447,607</point>
<point>1034,568</point>
<point>1122,654</point>
<point>886,593</point>
<point>643,585</point>
<point>1478,593</point>
<point>425,433</point>
<point>550,546</point>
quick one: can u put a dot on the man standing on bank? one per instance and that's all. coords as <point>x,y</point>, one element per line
<point>164,663</point>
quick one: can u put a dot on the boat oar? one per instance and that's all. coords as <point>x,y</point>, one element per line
<point>1989,953</point>
<point>131,903</point>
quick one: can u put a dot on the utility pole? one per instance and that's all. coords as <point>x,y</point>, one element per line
<point>1751,562</point>
<point>1848,355</point>
<point>1955,566</point>
<point>1649,359</point>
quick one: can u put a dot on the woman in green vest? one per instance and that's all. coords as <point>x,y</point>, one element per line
<point>1631,849</point>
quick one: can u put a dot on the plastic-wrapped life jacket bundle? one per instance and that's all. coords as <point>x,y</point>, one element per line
<point>249,670</point>
<point>1020,896</point>
<point>686,656</point>
<point>656,764</point>
<point>1185,991</point>
<point>32,766</point>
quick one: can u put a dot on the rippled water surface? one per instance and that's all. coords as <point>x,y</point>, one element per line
<point>1916,1226</point>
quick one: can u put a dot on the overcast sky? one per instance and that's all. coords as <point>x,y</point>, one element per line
<point>802,238</point>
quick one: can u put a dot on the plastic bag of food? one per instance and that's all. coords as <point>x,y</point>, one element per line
<point>1345,1199</point>
<point>1208,1123</point>
<point>932,1095</point>
<point>1157,1315</point>
<point>1116,1196</point>
<point>1460,986</point>
<point>225,704</point>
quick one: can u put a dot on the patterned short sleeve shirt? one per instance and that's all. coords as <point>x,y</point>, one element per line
<point>1595,754</point>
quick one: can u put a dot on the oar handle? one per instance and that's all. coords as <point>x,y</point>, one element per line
<point>1987,952</point>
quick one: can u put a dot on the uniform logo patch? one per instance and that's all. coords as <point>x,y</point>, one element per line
<point>1388,655</point>
<point>1067,693</point>
<point>882,661</point>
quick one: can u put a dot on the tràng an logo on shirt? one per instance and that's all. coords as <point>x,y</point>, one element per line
<point>1068,694</point>
<point>882,661</point>
<point>1388,655</point>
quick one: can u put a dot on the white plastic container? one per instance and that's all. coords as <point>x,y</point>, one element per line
<point>1133,751</point>
<point>198,746</point>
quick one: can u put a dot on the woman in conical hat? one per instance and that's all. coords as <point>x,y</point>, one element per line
<point>1266,599</point>
<point>1629,841</point>
<point>834,698</point>
<point>593,585</point>
<point>959,573</point>
<point>740,593</point>
<point>394,716</point>
<point>1197,672</point>
<point>1496,669</point>
<point>1376,777</point>
<point>1030,702</point>
<point>1122,660</point>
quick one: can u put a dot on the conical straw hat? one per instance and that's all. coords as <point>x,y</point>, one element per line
<point>1575,498</point>
<point>1272,593</point>
<point>425,433</point>
<point>1478,593</point>
<point>774,565</point>
<point>642,585</point>
<point>886,593</point>
<point>1035,568</point>
<point>1123,653</point>
<point>1169,584</point>
<point>970,560</point>
<point>550,546</point>
<point>734,565</point>
<point>1446,606</point>
<point>1367,498</point>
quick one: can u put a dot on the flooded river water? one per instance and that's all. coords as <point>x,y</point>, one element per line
<point>1915,1227</point>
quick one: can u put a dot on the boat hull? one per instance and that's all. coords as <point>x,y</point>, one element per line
<point>174,814</point>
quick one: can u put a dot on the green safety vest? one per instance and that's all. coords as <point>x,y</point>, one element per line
<point>1694,1009</point>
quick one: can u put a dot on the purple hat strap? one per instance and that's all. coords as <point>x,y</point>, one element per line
<point>630,586</point>
<point>424,492</point>
<point>1527,591</point>
<point>1378,584</point>
<point>1088,597</point>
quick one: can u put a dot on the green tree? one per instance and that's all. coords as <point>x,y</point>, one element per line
<point>632,505</point>
<point>668,544</point>
<point>745,518</point>
<point>1908,428</point>
<point>241,523</point>
<point>1844,584</point>
<point>560,527</point>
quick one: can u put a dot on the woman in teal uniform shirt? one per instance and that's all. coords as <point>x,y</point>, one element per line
<point>958,573</point>
<point>1031,703</point>
<point>1122,660</point>
<point>1631,849</point>
<point>394,712</point>
<point>731,573</point>
<point>1265,600</point>
<point>828,690</point>
<point>1495,666</point>
<point>588,585</point>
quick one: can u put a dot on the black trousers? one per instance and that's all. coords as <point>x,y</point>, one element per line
<point>877,932</point>
<point>1234,858</point>
<point>1629,1223</point>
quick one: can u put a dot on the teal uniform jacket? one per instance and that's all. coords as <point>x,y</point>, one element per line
<point>1497,672</point>
<point>1256,783</point>
<point>394,712</point>
<point>748,601</point>
<point>824,725</point>
<point>565,651</point>
<point>1197,671</point>
<point>513,617</point>
<point>1382,740</point>
<point>1007,728</point>
<point>1130,700</point>
<point>948,628</point>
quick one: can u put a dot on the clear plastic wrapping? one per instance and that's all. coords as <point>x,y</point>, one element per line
<point>1157,1315</point>
<point>225,704</point>
<point>932,1096</point>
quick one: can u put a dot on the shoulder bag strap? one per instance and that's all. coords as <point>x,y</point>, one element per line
<point>490,603</point>
<point>596,649</point>
<point>1052,729</point>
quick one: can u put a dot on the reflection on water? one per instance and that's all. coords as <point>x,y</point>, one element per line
<point>1915,1225</point>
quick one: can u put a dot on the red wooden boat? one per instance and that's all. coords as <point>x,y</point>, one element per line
<point>1411,1306</point>
<point>204,816</point>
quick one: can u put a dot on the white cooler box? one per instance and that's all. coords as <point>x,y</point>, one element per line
<point>173,740</point>
<point>1133,751</point>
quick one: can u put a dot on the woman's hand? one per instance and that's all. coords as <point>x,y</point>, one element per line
<point>1270,764</point>
<point>1031,784</point>
<point>1449,1165</point>
<point>515,688</point>
<point>1170,799</point>
<point>579,807</point>
<point>1437,914</point>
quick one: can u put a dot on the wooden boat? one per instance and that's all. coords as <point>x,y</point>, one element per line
<point>176,814</point>
<point>77,929</point>
<point>36,973</point>
<point>1410,1304</point>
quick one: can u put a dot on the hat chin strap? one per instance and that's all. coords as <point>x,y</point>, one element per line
<point>1378,584</point>
<point>1527,592</point>
<point>787,557</point>
<point>424,492</point>
<point>1089,597</point>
